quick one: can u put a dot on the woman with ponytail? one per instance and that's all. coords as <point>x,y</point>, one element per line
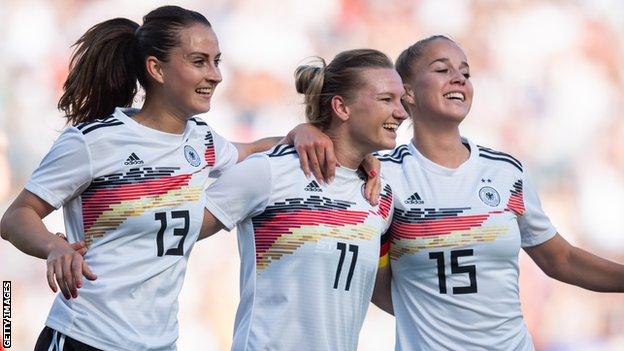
<point>130,181</point>
<point>309,251</point>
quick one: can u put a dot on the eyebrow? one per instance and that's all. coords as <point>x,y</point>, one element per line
<point>446,60</point>
<point>197,53</point>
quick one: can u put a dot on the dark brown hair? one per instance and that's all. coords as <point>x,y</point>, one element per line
<point>408,56</point>
<point>110,57</point>
<point>340,77</point>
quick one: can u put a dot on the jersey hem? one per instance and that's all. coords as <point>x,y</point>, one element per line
<point>44,194</point>
<point>540,240</point>
<point>216,211</point>
<point>87,339</point>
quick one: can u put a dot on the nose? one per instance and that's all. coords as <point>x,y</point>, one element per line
<point>400,113</point>
<point>213,74</point>
<point>458,78</point>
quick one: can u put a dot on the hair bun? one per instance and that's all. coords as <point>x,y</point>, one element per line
<point>305,76</point>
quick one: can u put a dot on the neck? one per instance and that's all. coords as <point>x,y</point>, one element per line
<point>347,153</point>
<point>157,114</point>
<point>440,144</point>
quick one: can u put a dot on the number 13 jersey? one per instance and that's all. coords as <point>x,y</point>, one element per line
<point>309,252</point>
<point>135,195</point>
<point>454,243</point>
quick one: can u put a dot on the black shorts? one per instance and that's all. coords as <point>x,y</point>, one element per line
<point>52,340</point>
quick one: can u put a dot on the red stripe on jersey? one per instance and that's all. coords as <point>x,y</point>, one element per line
<point>384,248</point>
<point>442,226</point>
<point>100,200</point>
<point>516,203</point>
<point>209,154</point>
<point>268,230</point>
<point>385,202</point>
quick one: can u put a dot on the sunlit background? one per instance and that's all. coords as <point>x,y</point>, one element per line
<point>549,89</point>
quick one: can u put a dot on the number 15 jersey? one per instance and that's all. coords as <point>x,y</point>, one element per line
<point>454,243</point>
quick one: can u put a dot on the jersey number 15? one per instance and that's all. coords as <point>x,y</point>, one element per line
<point>471,270</point>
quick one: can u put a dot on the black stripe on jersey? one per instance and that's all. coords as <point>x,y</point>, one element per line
<point>282,150</point>
<point>385,237</point>
<point>499,153</point>
<point>396,156</point>
<point>499,156</point>
<point>101,120</point>
<point>99,123</point>
<point>198,121</point>
<point>502,159</point>
<point>90,129</point>
<point>134,175</point>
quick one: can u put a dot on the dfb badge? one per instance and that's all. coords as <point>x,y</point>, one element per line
<point>191,156</point>
<point>489,196</point>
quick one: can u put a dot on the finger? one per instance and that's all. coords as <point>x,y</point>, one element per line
<point>371,166</point>
<point>68,275</point>
<point>371,190</point>
<point>315,167</point>
<point>61,235</point>
<point>76,268</point>
<point>58,273</point>
<point>50,277</point>
<point>80,247</point>
<point>375,192</point>
<point>330,164</point>
<point>320,156</point>
<point>86,271</point>
<point>303,161</point>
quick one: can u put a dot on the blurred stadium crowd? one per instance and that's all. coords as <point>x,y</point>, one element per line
<point>549,89</point>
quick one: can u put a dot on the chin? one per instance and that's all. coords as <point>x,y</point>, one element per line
<point>387,146</point>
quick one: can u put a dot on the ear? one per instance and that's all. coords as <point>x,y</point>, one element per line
<point>153,66</point>
<point>409,94</point>
<point>340,108</point>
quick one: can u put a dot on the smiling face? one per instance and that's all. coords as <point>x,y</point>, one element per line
<point>192,72</point>
<point>375,111</point>
<point>439,86</point>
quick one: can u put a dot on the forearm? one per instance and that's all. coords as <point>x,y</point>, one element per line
<point>591,272</point>
<point>382,294</point>
<point>246,149</point>
<point>23,228</point>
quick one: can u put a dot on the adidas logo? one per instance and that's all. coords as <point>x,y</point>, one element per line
<point>414,199</point>
<point>313,186</point>
<point>133,159</point>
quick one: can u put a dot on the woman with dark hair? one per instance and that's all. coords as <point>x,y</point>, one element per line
<point>309,251</point>
<point>463,212</point>
<point>130,181</point>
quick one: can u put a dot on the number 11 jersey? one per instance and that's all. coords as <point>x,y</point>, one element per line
<point>454,243</point>
<point>309,252</point>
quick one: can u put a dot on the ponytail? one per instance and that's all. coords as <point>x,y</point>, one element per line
<point>309,82</point>
<point>103,72</point>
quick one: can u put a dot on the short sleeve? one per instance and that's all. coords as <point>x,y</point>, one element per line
<point>535,226</point>
<point>64,172</point>
<point>226,154</point>
<point>242,191</point>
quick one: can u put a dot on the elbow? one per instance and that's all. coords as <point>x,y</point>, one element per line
<point>4,225</point>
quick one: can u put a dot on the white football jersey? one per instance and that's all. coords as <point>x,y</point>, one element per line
<point>309,252</point>
<point>454,243</point>
<point>135,195</point>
